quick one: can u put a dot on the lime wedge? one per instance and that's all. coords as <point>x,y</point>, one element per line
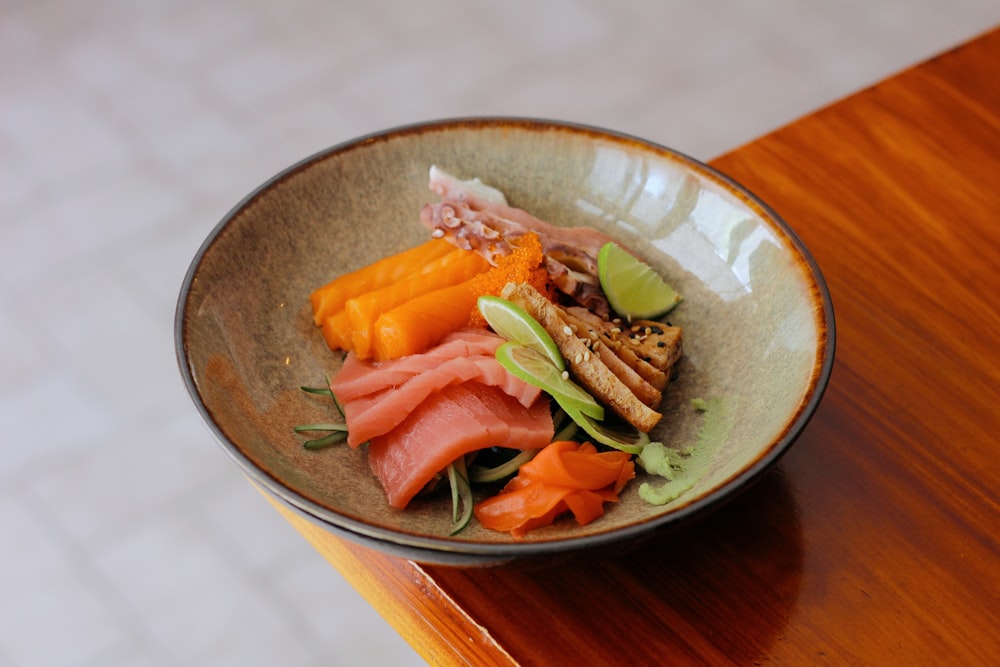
<point>633,288</point>
<point>537,370</point>
<point>512,322</point>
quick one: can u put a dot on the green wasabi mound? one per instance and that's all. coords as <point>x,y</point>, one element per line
<point>658,459</point>
<point>680,469</point>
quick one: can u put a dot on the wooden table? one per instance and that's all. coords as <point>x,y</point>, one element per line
<point>877,538</point>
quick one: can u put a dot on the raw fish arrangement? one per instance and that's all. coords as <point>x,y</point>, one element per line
<point>518,363</point>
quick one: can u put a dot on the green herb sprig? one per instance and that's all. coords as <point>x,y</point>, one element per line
<point>336,431</point>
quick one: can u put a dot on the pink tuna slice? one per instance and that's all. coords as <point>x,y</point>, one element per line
<point>358,378</point>
<point>378,413</point>
<point>453,422</point>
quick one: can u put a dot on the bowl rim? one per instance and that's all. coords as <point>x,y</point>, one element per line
<point>432,544</point>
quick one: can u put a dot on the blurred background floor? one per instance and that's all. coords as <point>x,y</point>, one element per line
<point>128,129</point>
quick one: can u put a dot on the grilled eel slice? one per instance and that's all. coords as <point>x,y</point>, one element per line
<point>627,368</point>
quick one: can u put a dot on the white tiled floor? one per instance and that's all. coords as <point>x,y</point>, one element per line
<point>127,129</point>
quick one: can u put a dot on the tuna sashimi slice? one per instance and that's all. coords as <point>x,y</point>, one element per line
<point>378,413</point>
<point>358,378</point>
<point>453,422</point>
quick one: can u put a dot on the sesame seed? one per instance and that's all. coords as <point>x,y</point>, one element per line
<point>578,358</point>
<point>567,330</point>
<point>437,233</point>
<point>586,355</point>
<point>565,375</point>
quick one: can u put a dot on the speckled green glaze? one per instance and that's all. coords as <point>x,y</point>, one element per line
<point>757,319</point>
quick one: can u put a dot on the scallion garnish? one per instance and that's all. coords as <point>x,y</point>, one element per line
<point>322,391</point>
<point>325,441</point>
<point>337,431</point>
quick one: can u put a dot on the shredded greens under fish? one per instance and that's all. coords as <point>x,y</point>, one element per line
<point>509,468</point>
<point>461,495</point>
<point>566,428</point>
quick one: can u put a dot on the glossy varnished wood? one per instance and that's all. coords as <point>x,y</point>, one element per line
<point>877,539</point>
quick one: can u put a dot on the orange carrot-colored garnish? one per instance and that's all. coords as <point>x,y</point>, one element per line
<point>564,476</point>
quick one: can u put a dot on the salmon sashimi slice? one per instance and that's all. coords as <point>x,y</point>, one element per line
<point>420,323</point>
<point>455,421</point>
<point>330,298</point>
<point>378,413</point>
<point>358,378</point>
<point>363,310</point>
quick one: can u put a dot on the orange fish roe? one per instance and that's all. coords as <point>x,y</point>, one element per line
<point>522,265</point>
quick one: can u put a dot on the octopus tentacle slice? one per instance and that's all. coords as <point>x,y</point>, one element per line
<point>476,216</point>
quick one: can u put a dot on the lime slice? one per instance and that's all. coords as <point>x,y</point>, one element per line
<point>633,288</point>
<point>537,370</point>
<point>625,437</point>
<point>512,322</point>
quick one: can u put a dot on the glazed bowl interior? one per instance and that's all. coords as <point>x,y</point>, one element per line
<point>757,319</point>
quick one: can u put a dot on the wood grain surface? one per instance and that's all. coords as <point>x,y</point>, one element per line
<point>877,538</point>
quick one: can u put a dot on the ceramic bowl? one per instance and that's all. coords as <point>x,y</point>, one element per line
<point>757,318</point>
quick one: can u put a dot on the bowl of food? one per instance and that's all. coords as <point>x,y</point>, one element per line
<point>480,340</point>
